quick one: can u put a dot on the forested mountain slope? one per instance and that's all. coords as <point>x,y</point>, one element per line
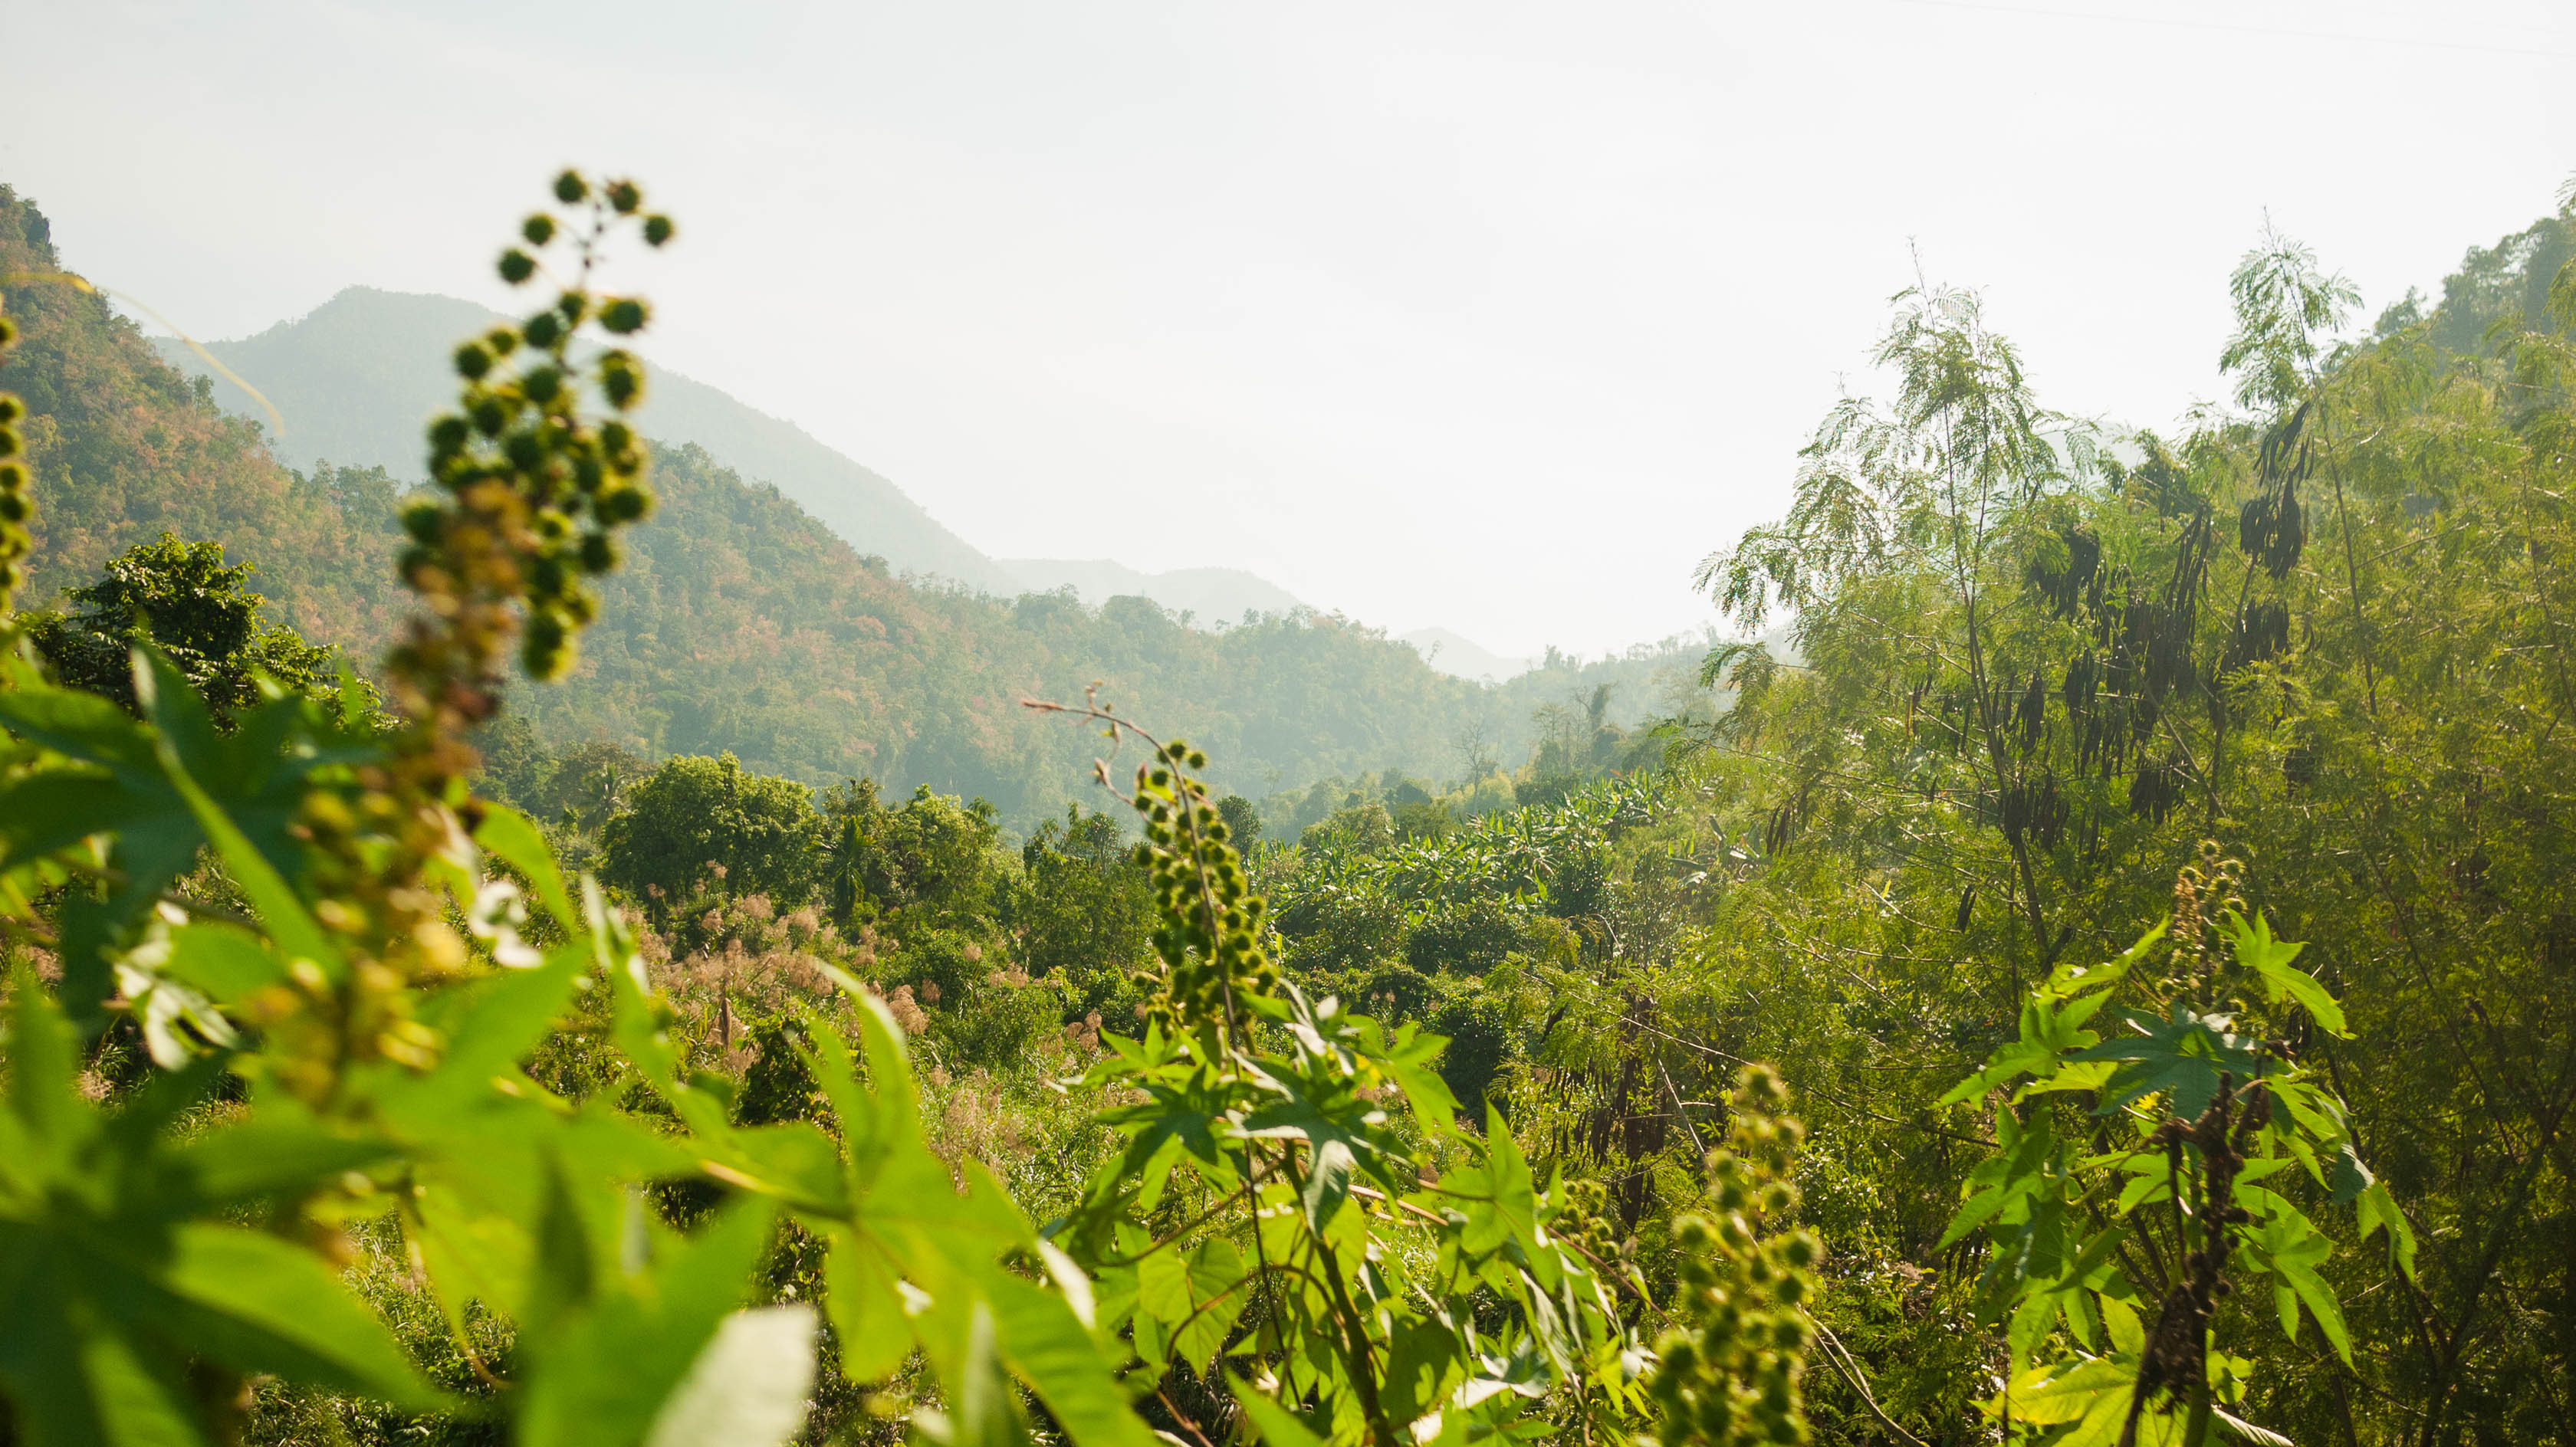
<point>357,377</point>
<point>127,448</point>
<point>742,621</point>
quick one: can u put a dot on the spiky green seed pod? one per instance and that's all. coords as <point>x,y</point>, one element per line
<point>517,266</point>
<point>624,504</point>
<point>1742,1289</point>
<point>622,386</point>
<point>424,520</point>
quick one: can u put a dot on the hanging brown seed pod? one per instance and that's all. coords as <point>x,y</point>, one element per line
<point>2065,575</point>
<point>2273,530</point>
<point>2157,788</point>
<point>2262,632</point>
<point>2077,691</point>
<point>2031,717</point>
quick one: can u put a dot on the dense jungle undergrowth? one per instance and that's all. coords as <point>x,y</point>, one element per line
<point>2146,874</point>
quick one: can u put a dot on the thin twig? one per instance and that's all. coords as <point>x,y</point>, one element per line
<point>1850,1372</point>
<point>1811,1090</point>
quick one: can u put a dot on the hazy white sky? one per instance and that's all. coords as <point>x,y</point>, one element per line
<point>1488,316</point>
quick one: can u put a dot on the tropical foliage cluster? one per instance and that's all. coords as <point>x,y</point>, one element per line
<point>388,1059</point>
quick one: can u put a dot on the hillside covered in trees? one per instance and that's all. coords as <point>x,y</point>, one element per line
<point>2108,976</point>
<point>742,622</point>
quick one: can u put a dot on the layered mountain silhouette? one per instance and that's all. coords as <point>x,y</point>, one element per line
<point>1461,657</point>
<point>358,378</point>
<point>1215,597</point>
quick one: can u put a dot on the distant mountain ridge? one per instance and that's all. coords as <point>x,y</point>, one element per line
<point>1461,657</point>
<point>356,379</point>
<point>1217,597</point>
<point>359,376</point>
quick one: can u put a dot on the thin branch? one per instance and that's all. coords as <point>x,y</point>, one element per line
<point>1850,1372</point>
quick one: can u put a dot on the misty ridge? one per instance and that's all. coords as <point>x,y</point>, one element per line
<point>359,376</point>
<point>756,617</point>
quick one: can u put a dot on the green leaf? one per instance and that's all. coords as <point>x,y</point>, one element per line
<point>508,835</point>
<point>2349,1177</point>
<point>2004,1066</point>
<point>1502,1194</point>
<point>266,1306</point>
<point>491,1025</point>
<point>792,1160</point>
<point>866,1307</point>
<point>1219,1291</point>
<point>1328,1183</point>
<point>42,1067</point>
<point>80,1380</point>
<point>985,1412</point>
<point>2378,1211</point>
<point>135,1406</point>
<point>564,1273</point>
<point>2056,1392</point>
<point>2181,1056</point>
<point>270,1155</point>
<point>748,1386</point>
<point>53,809</point>
<point>2128,1332</point>
<point>1413,1059</point>
<point>1421,1366</point>
<point>1272,1424</point>
<point>2008,1180</point>
<point>228,963</point>
<point>1070,1279</point>
<point>897,1105</point>
<point>78,724</point>
<point>1163,1286</point>
<point>2271,961</point>
<point>602,1379</point>
<point>2292,1250</point>
<point>170,705</point>
<point>1048,1348</point>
